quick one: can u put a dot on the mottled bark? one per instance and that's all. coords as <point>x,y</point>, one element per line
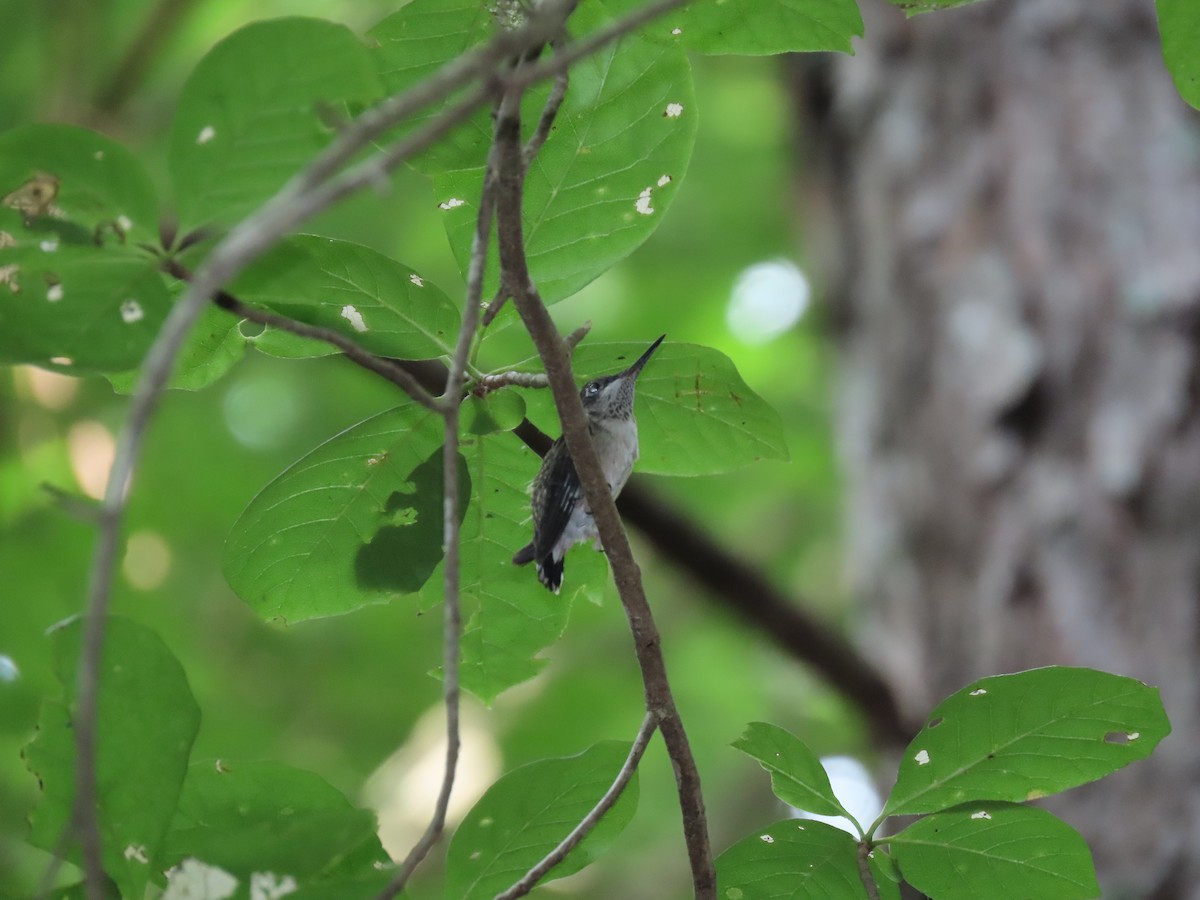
<point>1006,214</point>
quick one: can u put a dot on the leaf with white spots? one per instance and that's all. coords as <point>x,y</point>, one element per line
<point>1028,735</point>
<point>99,307</point>
<point>384,306</point>
<point>995,851</point>
<point>525,815</point>
<point>267,824</point>
<point>257,108</point>
<point>797,776</point>
<point>73,186</point>
<point>794,860</point>
<point>696,416</point>
<point>756,27</point>
<point>147,723</point>
<point>596,190</point>
<point>356,521</point>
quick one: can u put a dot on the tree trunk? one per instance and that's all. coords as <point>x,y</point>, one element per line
<point>1007,210</point>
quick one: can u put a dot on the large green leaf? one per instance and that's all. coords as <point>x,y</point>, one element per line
<point>511,616</point>
<point>257,108</point>
<point>253,819</point>
<point>147,723</point>
<point>1179,22</point>
<point>758,27</point>
<point>794,860</point>
<point>1023,736</point>
<point>413,43</point>
<point>604,179</point>
<point>528,812</point>
<point>696,416</point>
<point>82,307</point>
<point>797,776</point>
<point>356,521</point>
<point>384,306</point>
<point>75,186</point>
<point>995,851</point>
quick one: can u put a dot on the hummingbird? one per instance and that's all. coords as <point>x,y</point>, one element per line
<point>561,518</point>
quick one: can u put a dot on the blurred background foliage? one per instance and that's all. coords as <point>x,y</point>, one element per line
<point>343,696</point>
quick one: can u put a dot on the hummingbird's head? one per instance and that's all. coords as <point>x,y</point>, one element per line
<point>611,396</point>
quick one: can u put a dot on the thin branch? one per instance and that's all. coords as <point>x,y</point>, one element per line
<point>494,382</point>
<point>558,93</point>
<point>626,575</point>
<point>452,612</point>
<point>864,870</point>
<point>592,819</point>
<point>160,26</point>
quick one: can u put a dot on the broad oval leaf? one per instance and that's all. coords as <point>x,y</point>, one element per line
<point>263,817</point>
<point>384,306</point>
<point>78,307</point>
<point>356,521</point>
<point>797,776</point>
<point>147,722</point>
<point>995,851</point>
<point>511,616</point>
<point>793,860</point>
<point>257,108</point>
<point>603,181</point>
<point>758,27</point>
<point>696,416</point>
<point>1024,736</point>
<point>71,185</point>
<point>1179,22</point>
<point>528,812</point>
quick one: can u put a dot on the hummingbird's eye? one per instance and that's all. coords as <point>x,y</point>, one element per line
<point>591,390</point>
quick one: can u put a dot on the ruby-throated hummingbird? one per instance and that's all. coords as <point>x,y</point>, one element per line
<point>561,518</point>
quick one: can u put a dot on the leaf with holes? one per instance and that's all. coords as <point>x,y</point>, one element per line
<point>797,776</point>
<point>528,812</point>
<point>695,414</point>
<point>73,186</point>
<point>795,859</point>
<point>995,851</point>
<point>1179,22</point>
<point>356,521</point>
<point>263,817</point>
<point>757,27</point>
<point>511,616</point>
<point>147,721</point>
<point>604,179</point>
<point>1023,736</point>
<point>382,305</point>
<point>80,308</point>
<point>258,108</point>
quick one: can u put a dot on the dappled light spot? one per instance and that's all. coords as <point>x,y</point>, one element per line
<point>147,560</point>
<point>768,298</point>
<point>91,448</point>
<point>50,390</point>
<point>8,669</point>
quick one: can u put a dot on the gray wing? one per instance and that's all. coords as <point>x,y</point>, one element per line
<point>549,526</point>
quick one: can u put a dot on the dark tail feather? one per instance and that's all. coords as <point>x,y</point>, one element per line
<point>550,572</point>
<point>524,556</point>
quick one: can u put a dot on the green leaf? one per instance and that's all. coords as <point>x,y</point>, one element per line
<point>75,186</point>
<point>917,7</point>
<point>257,108</point>
<point>209,351</point>
<point>85,308</point>
<point>356,521</point>
<point>512,617</point>
<point>791,860</point>
<point>696,416</point>
<point>1179,22</point>
<point>995,851</point>
<point>603,181</point>
<point>147,723</point>
<point>501,411</point>
<point>525,815</point>
<point>386,307</point>
<point>1024,736</point>
<point>264,817</point>
<point>797,776</point>
<point>757,27</point>
<point>412,44</point>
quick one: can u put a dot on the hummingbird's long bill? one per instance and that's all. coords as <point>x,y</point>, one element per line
<point>636,368</point>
